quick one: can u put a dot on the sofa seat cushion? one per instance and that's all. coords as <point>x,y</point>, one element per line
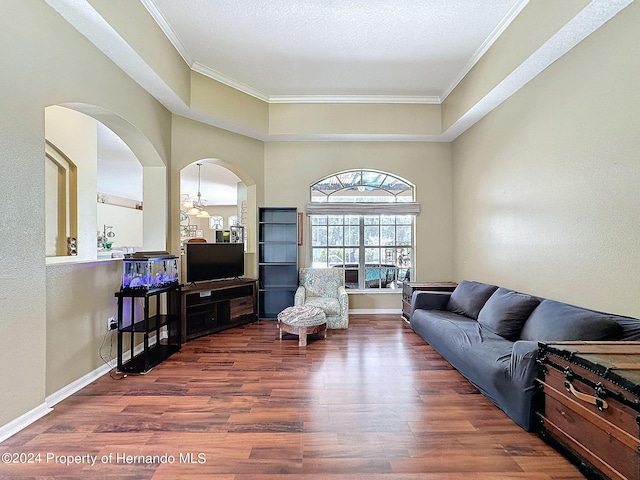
<point>330,305</point>
<point>449,333</point>
<point>506,311</point>
<point>469,297</point>
<point>503,373</point>
<point>556,321</point>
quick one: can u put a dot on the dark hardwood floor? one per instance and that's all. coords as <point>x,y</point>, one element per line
<point>371,402</point>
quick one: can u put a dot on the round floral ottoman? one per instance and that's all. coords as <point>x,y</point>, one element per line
<point>302,320</point>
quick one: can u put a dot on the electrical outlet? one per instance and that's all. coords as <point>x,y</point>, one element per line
<point>111,323</point>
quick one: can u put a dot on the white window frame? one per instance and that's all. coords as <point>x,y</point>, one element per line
<point>367,199</point>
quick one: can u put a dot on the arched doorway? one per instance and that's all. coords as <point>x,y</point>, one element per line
<point>228,199</point>
<point>212,200</point>
<point>80,133</point>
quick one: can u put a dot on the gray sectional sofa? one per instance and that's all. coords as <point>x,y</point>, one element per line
<point>491,334</point>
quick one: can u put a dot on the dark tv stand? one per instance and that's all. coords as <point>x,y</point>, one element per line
<point>209,307</point>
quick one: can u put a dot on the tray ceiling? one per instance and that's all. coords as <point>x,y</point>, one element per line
<point>281,50</point>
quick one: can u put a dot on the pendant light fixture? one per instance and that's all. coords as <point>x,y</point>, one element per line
<point>198,208</point>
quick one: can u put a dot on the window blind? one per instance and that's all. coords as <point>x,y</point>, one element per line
<point>363,208</point>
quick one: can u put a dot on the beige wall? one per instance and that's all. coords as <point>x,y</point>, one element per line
<point>229,106</point>
<point>79,301</point>
<point>539,196</point>
<point>126,223</point>
<point>41,67</point>
<point>534,26</point>
<point>225,211</point>
<point>290,169</point>
<point>401,119</point>
<point>193,141</point>
<point>546,187</point>
<point>140,31</point>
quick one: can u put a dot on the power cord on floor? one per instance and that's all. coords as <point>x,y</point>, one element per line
<point>113,373</point>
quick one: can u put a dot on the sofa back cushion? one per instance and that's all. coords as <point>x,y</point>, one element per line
<point>506,312</point>
<point>556,321</point>
<point>630,328</point>
<point>469,297</point>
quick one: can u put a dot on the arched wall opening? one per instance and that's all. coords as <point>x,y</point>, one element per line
<point>243,206</point>
<point>80,289</point>
<point>72,129</point>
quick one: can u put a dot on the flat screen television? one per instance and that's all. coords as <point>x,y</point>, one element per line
<point>214,261</point>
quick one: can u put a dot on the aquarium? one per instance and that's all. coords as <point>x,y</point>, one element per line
<point>147,270</point>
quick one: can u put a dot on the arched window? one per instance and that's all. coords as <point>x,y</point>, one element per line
<point>363,221</point>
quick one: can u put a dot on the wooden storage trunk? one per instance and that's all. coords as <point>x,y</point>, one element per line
<point>590,407</point>
<point>409,287</point>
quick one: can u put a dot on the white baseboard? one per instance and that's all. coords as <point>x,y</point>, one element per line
<point>23,421</point>
<point>78,385</point>
<point>379,311</point>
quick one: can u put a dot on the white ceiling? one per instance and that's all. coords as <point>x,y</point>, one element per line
<point>292,50</point>
<point>218,185</point>
<point>119,171</point>
<point>329,50</point>
<point>282,50</point>
<point>296,50</point>
<point>338,32</point>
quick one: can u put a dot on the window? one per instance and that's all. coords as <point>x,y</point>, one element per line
<point>363,221</point>
<point>216,222</point>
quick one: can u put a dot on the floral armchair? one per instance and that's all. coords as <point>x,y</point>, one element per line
<point>324,288</point>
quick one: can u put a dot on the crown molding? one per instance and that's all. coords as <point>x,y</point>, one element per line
<point>587,21</point>
<point>90,23</point>
<point>86,20</point>
<point>354,99</point>
<point>380,99</point>
<point>275,99</point>
<point>353,137</point>
<point>222,78</point>
<point>167,30</point>
<point>486,45</point>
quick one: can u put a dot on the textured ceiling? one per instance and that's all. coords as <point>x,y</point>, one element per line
<point>337,51</point>
<point>304,48</point>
